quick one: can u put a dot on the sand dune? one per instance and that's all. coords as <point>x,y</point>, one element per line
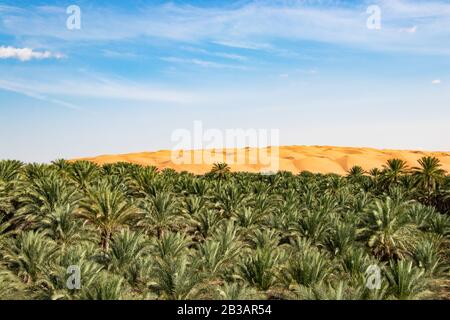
<point>317,159</point>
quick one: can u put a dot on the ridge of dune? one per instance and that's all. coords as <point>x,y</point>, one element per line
<point>316,159</point>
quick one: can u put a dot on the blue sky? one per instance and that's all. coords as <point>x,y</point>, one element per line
<point>138,70</point>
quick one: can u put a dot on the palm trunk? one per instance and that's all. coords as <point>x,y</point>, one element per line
<point>106,235</point>
<point>160,232</point>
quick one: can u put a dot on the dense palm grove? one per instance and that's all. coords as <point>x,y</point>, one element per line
<point>139,233</point>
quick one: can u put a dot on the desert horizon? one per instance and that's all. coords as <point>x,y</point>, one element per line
<point>296,158</point>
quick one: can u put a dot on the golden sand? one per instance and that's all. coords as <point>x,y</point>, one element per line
<point>317,159</point>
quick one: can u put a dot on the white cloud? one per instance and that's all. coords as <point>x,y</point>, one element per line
<point>437,81</point>
<point>26,54</point>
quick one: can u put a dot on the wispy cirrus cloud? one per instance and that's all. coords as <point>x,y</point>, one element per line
<point>120,54</point>
<point>243,45</point>
<point>26,54</point>
<point>225,55</point>
<point>253,25</point>
<point>96,87</point>
<point>34,93</point>
<point>202,63</point>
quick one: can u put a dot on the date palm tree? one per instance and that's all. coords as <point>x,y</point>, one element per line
<point>205,222</point>
<point>158,213</point>
<point>43,196</point>
<point>307,268</point>
<point>388,230</point>
<point>236,291</point>
<point>406,281</point>
<point>341,237</point>
<point>220,170</point>
<point>175,278</point>
<point>375,172</point>
<point>393,171</point>
<point>7,191</point>
<point>427,254</point>
<point>129,256</point>
<point>108,210</point>
<point>314,224</point>
<point>105,287</point>
<point>356,174</point>
<point>331,291</point>
<point>62,226</point>
<point>428,175</point>
<point>84,173</point>
<point>11,288</point>
<point>30,255</point>
<point>62,165</point>
<point>9,170</point>
<point>259,269</point>
<point>171,245</point>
